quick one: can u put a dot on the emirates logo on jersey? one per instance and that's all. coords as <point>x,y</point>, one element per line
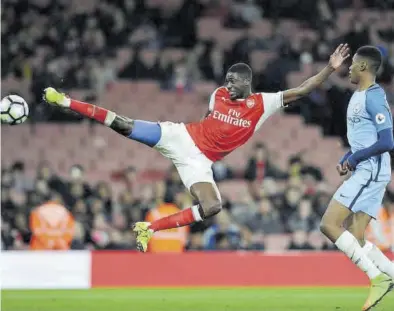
<point>250,103</point>
<point>233,118</point>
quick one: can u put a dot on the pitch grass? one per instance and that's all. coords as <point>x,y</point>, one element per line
<point>192,299</point>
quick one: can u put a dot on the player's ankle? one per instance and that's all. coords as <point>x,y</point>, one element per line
<point>65,101</point>
<point>151,229</point>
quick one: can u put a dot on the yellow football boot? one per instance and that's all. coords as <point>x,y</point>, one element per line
<point>144,234</point>
<point>380,286</point>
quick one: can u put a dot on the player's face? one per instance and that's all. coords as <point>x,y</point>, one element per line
<point>355,69</point>
<point>236,85</point>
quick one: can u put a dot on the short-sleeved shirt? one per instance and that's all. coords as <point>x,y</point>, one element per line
<point>369,113</point>
<point>231,123</point>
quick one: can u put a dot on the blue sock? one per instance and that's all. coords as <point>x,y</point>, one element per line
<point>148,133</point>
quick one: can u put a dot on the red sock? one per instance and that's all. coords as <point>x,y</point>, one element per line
<point>183,218</point>
<point>92,111</point>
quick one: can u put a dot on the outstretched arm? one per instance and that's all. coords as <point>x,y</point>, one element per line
<point>336,60</point>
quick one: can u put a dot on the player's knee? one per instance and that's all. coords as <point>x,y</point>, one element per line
<point>324,227</point>
<point>330,224</point>
<point>327,226</point>
<point>211,207</point>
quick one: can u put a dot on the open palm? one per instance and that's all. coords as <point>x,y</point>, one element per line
<point>338,57</point>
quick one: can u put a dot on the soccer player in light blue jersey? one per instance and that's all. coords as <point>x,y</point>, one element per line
<point>359,198</point>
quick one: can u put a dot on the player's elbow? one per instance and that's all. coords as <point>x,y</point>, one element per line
<point>324,227</point>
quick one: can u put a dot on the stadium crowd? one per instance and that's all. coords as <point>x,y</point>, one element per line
<point>78,45</point>
<point>74,51</point>
<point>274,203</point>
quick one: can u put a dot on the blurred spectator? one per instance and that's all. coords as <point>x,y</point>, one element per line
<point>172,240</point>
<point>80,212</point>
<point>303,218</point>
<point>7,235</point>
<point>76,192</point>
<point>173,185</point>
<point>52,226</point>
<point>195,242</point>
<point>20,180</point>
<point>259,167</point>
<point>45,173</point>
<point>299,241</point>
<point>357,36</point>
<point>104,195</point>
<point>264,221</point>
<point>381,231</point>
<point>291,199</point>
<point>103,75</point>
<point>77,177</point>
<point>79,237</point>
<point>117,241</point>
<point>223,232</point>
<point>221,171</point>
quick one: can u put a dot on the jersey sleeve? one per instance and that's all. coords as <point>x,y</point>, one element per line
<point>378,109</point>
<point>213,96</point>
<point>212,101</point>
<point>272,102</point>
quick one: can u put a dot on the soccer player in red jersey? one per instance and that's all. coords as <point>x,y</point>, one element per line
<point>235,113</point>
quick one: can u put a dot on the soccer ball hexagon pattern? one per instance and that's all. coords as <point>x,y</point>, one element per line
<point>14,110</point>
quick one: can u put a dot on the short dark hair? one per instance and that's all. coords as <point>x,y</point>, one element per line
<point>259,145</point>
<point>18,166</point>
<point>242,69</point>
<point>77,166</point>
<point>373,54</point>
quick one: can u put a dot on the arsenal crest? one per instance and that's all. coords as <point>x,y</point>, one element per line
<point>250,103</point>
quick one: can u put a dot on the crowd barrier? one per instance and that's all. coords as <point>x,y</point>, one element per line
<point>84,269</point>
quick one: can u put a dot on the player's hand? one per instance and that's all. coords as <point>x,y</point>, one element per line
<point>349,166</point>
<point>339,56</point>
<point>341,169</point>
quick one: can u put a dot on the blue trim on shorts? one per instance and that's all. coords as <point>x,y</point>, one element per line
<point>148,133</point>
<point>360,192</point>
<point>379,167</point>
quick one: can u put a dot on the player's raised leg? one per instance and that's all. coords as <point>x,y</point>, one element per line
<point>145,132</point>
<point>332,226</point>
<point>209,204</point>
<point>357,226</point>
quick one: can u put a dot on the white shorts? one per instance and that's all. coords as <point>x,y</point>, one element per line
<point>192,165</point>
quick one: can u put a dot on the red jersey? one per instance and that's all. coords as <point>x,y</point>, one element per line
<point>231,123</point>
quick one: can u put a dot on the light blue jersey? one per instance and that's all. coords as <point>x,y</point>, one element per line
<point>368,113</point>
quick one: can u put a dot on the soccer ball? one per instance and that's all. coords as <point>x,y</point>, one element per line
<point>14,110</point>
